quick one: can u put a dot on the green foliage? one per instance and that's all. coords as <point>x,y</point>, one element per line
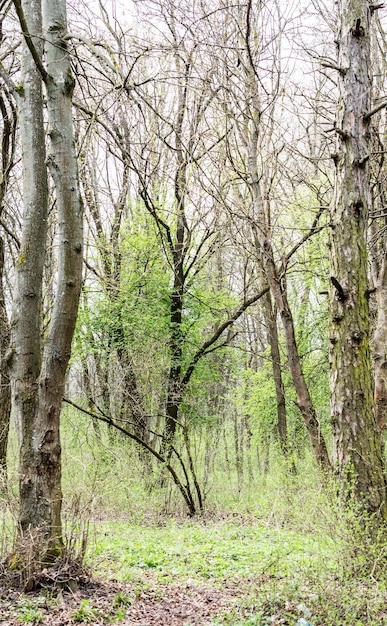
<point>216,551</point>
<point>131,314</point>
<point>29,611</point>
<point>30,615</point>
<point>235,620</point>
<point>86,613</point>
<point>255,399</point>
<point>283,542</point>
<point>323,602</point>
<point>122,600</point>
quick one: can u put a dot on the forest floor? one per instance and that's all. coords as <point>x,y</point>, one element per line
<point>205,573</point>
<point>103,602</point>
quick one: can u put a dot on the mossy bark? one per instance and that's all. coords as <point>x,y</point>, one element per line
<point>358,449</point>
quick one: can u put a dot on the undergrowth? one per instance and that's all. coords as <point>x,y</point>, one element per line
<point>281,540</point>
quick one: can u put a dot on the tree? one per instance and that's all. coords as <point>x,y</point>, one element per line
<point>38,366</point>
<point>251,105</point>
<point>358,449</point>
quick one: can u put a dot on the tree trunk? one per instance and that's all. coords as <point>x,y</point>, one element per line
<point>5,386</point>
<point>377,234</point>
<point>7,139</point>
<point>36,511</point>
<point>304,401</point>
<point>380,348</point>
<point>38,376</point>
<point>261,224</point>
<point>238,450</point>
<point>358,450</point>
<point>272,335</point>
<point>174,390</point>
<point>277,284</point>
<point>63,167</point>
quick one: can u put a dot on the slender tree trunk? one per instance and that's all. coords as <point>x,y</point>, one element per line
<point>238,450</point>
<point>378,249</point>
<point>358,450</point>
<point>174,390</point>
<point>261,224</point>
<point>272,335</point>
<point>249,435</point>
<point>5,386</point>
<point>278,290</point>
<point>380,348</point>
<point>226,454</point>
<point>378,254</point>
<point>304,401</point>
<point>7,139</point>
<point>266,454</point>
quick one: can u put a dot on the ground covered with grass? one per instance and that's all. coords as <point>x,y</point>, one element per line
<point>234,570</point>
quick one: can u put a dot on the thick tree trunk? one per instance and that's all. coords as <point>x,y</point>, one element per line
<point>63,167</point>
<point>35,490</point>
<point>358,450</point>
<point>38,376</point>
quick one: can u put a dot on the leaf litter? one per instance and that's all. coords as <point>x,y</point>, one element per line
<point>102,602</point>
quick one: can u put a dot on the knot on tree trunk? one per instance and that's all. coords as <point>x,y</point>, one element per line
<point>357,30</point>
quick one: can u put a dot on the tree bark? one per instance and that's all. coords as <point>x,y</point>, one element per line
<point>38,372</point>
<point>358,449</point>
<point>35,494</point>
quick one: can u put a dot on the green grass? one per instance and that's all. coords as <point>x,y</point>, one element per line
<point>284,576</point>
<point>203,551</point>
